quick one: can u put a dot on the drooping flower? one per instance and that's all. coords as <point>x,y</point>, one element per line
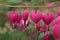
<point>14,16</point>
<point>48,17</point>
<point>56,31</point>
<point>25,15</point>
<point>46,36</point>
<point>35,16</point>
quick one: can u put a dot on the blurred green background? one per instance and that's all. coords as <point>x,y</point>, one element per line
<point>4,22</point>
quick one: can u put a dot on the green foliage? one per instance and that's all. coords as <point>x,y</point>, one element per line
<point>52,38</point>
<point>41,36</point>
<point>9,36</point>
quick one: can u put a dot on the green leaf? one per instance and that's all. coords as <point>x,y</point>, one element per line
<point>41,36</point>
<point>52,38</point>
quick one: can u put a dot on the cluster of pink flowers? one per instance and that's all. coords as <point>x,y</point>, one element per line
<point>20,21</point>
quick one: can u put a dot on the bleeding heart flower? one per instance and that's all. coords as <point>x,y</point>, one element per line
<point>58,11</point>
<point>49,4</point>
<point>37,27</point>
<point>46,36</point>
<point>27,22</point>
<point>48,17</point>
<point>14,16</point>
<point>56,31</point>
<point>36,16</point>
<point>44,28</point>
<point>23,24</point>
<point>25,14</point>
<point>56,21</point>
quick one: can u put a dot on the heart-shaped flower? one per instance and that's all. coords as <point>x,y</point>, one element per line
<point>36,16</point>
<point>48,17</point>
<point>25,15</point>
<point>14,16</point>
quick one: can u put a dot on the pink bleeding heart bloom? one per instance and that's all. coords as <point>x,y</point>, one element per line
<point>49,4</point>
<point>56,21</point>
<point>56,31</point>
<point>14,16</point>
<point>36,16</point>
<point>58,11</point>
<point>37,27</point>
<point>46,36</point>
<point>44,28</point>
<point>27,22</point>
<point>25,14</point>
<point>48,17</point>
<point>23,24</point>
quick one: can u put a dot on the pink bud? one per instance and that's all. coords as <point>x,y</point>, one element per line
<point>46,36</point>
<point>56,31</point>
<point>14,16</point>
<point>36,16</point>
<point>49,4</point>
<point>44,28</point>
<point>48,17</point>
<point>37,27</point>
<point>25,14</point>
